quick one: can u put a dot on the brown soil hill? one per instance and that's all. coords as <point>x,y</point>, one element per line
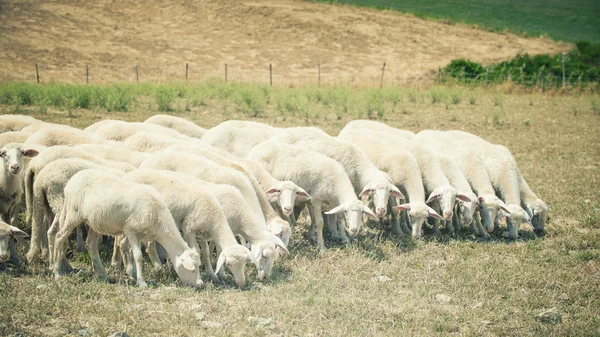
<point>351,43</point>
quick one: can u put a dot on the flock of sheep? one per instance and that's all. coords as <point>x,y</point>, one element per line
<point>183,191</point>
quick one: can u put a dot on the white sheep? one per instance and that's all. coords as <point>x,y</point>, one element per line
<point>38,238</point>
<point>404,172</point>
<point>146,141</point>
<point>92,128</point>
<point>16,122</point>
<point>7,244</point>
<point>199,216</point>
<point>378,126</point>
<point>33,128</point>
<point>11,179</point>
<point>435,182</point>
<point>320,176</point>
<point>504,176</point>
<point>13,137</point>
<point>120,130</point>
<point>366,179</point>
<point>111,205</point>
<point>178,124</point>
<point>114,153</point>
<point>265,130</point>
<point>235,140</point>
<point>51,136</point>
<point>243,221</point>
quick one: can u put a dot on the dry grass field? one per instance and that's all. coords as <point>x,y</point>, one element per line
<point>437,285</point>
<point>351,44</point>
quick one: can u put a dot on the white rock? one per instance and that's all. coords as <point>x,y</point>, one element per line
<point>381,278</point>
<point>443,298</point>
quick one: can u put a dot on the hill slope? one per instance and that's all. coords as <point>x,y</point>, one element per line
<point>161,36</point>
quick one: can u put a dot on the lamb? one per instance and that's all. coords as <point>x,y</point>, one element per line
<point>119,130</point>
<point>364,176</point>
<point>378,126</point>
<point>434,180</point>
<point>264,130</point>
<point>11,181</point>
<point>35,166</point>
<point>52,136</point>
<point>473,167</point>
<point>243,221</point>
<point>234,140</point>
<point>145,141</point>
<point>92,128</point>
<point>13,137</point>
<point>404,172</point>
<point>15,122</point>
<point>322,177</point>
<point>114,153</point>
<point>504,176</point>
<point>178,124</point>
<point>7,233</point>
<point>111,205</point>
<point>199,216</point>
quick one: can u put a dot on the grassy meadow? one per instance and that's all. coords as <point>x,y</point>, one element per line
<point>563,20</point>
<point>447,285</point>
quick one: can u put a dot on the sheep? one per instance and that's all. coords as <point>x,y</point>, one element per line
<point>92,128</point>
<point>178,124</point>
<point>52,136</point>
<point>145,141</point>
<point>435,182</point>
<point>11,181</point>
<point>404,172</point>
<point>378,126</point>
<point>320,176</point>
<point>114,153</point>
<point>243,221</point>
<point>119,130</point>
<point>504,176</point>
<point>237,141</point>
<point>13,137</point>
<point>7,233</point>
<point>366,179</point>
<point>471,164</point>
<point>199,216</point>
<point>262,129</point>
<point>16,122</point>
<point>111,205</point>
<point>33,128</point>
<point>47,197</point>
<point>283,193</point>
<point>35,166</point>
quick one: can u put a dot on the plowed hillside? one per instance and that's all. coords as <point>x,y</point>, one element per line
<point>351,44</point>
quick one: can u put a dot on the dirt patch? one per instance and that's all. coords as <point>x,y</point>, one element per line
<point>350,43</point>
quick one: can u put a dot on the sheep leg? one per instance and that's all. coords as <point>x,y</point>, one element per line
<point>332,225</point>
<point>395,215</point>
<point>206,260</point>
<point>342,230</point>
<point>153,255</point>
<point>115,260</point>
<point>482,232</point>
<point>37,229</point>
<point>319,222</point>
<point>449,226</point>
<point>69,222</point>
<point>456,218</point>
<point>13,251</point>
<point>221,272</point>
<point>79,247</point>
<point>292,219</point>
<point>313,223</point>
<point>92,248</point>
<point>137,257</point>
<point>513,230</point>
<point>51,238</point>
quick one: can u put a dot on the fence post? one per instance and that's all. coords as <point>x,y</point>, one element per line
<point>319,72</point>
<point>37,73</point>
<point>563,69</point>
<point>225,72</point>
<point>87,75</point>
<point>186,71</point>
<point>382,72</point>
<point>487,75</point>
<point>137,74</point>
<point>270,74</point>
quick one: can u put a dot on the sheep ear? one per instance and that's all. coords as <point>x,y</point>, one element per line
<point>220,262</point>
<point>432,197</point>
<point>365,191</point>
<point>302,193</point>
<point>336,210</point>
<point>463,197</point>
<point>505,210</point>
<point>30,153</point>
<point>403,207</point>
<point>396,192</point>
<point>433,213</point>
<point>280,244</point>
<point>251,258</point>
<point>18,233</point>
<point>370,213</point>
<point>187,261</point>
<point>271,190</point>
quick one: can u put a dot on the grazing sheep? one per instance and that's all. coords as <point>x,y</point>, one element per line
<point>320,176</point>
<point>264,130</point>
<point>237,141</point>
<point>111,205</point>
<point>52,136</point>
<point>13,137</point>
<point>119,130</point>
<point>472,166</point>
<point>504,176</point>
<point>178,124</point>
<point>11,179</point>
<point>243,221</point>
<point>199,216</point>
<point>366,179</point>
<point>16,122</point>
<point>114,153</point>
<point>146,141</point>
<point>378,126</point>
<point>33,128</point>
<point>435,182</point>
<point>92,128</point>
<point>404,172</point>
<point>47,156</point>
<point>7,233</point>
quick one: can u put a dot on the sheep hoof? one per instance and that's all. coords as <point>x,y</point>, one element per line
<point>142,284</point>
<point>322,250</point>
